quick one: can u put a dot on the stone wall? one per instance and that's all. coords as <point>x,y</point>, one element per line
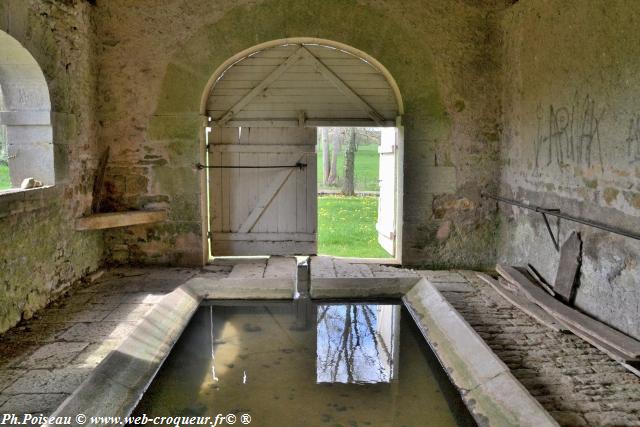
<point>155,62</point>
<point>40,253</point>
<point>572,141</point>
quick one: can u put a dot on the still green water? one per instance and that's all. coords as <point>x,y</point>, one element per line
<point>305,364</point>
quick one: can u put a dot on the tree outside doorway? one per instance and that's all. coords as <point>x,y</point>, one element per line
<point>348,192</point>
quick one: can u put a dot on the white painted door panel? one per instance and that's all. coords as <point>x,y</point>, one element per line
<point>260,211</point>
<point>386,225</point>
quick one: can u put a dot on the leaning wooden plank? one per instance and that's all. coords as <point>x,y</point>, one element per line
<point>119,219</point>
<point>568,267</point>
<point>632,365</point>
<point>571,317</point>
<point>521,302</point>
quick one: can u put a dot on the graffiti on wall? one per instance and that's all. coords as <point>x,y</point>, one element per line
<point>569,135</point>
<point>633,139</point>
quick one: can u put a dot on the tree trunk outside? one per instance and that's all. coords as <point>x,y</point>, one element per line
<point>326,155</point>
<point>348,185</point>
<point>335,140</point>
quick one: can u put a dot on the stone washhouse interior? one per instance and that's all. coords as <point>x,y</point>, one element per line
<point>173,174</point>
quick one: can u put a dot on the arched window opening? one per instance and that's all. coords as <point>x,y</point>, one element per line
<point>26,137</point>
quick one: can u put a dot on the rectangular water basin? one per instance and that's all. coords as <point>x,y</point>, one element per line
<point>305,363</point>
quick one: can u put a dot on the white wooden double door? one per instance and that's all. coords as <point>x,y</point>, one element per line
<point>260,202</point>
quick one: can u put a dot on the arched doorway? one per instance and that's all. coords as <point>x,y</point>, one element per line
<point>26,144</point>
<point>265,105</point>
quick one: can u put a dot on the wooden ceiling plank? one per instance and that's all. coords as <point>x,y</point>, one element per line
<point>342,87</point>
<point>264,84</point>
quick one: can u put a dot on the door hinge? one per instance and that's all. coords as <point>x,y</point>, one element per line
<point>208,234</point>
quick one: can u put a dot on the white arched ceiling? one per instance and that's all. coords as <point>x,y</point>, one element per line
<point>25,112</point>
<point>303,82</point>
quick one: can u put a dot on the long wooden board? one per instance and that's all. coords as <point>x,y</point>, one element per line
<point>119,219</point>
<point>568,268</point>
<point>521,302</point>
<point>574,319</point>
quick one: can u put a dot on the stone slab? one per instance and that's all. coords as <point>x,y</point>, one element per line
<point>40,403</point>
<point>123,376</point>
<point>280,268</point>
<point>322,267</point>
<point>471,364</point>
<point>505,401</point>
<point>115,399</point>
<point>64,380</point>
<point>113,301</point>
<point>230,288</point>
<point>249,270</point>
<point>129,312</point>
<point>442,276</point>
<point>361,287</point>
<point>453,287</point>
<point>67,316</point>
<point>54,355</point>
<point>36,333</point>
<point>96,332</point>
<point>9,376</point>
<point>94,353</point>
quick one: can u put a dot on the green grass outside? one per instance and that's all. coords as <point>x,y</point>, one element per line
<point>366,165</point>
<point>5,183</point>
<point>347,227</point>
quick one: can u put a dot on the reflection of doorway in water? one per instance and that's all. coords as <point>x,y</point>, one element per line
<point>357,343</point>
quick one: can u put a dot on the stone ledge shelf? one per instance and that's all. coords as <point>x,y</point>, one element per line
<point>119,219</point>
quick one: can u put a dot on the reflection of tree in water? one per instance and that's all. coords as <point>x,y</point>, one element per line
<point>350,347</point>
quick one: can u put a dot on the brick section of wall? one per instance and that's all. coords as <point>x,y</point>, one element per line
<point>577,383</point>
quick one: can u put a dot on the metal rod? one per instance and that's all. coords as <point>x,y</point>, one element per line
<point>298,165</point>
<point>553,238</point>
<point>557,213</point>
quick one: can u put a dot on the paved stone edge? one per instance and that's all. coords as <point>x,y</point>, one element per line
<point>490,391</point>
<point>361,287</point>
<point>116,385</point>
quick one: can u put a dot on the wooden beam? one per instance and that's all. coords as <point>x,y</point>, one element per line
<point>342,87</point>
<point>265,199</point>
<point>262,148</point>
<point>310,122</point>
<point>272,237</point>
<point>574,319</point>
<point>119,219</point>
<point>262,86</point>
<point>521,302</point>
